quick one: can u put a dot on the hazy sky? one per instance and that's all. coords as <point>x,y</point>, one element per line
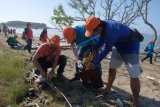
<point>42,10</point>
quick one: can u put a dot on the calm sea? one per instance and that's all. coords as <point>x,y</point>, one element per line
<point>36,32</point>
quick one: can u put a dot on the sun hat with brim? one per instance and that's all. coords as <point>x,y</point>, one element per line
<point>90,24</point>
<point>55,39</point>
<point>69,34</point>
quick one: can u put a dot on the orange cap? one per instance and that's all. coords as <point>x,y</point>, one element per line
<point>55,39</point>
<point>69,34</point>
<point>152,41</point>
<point>91,23</point>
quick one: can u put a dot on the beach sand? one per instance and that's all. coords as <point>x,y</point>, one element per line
<point>150,79</point>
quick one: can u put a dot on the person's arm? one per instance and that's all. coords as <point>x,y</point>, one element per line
<point>105,49</point>
<point>37,65</point>
<point>51,73</point>
<point>19,42</point>
<point>98,44</point>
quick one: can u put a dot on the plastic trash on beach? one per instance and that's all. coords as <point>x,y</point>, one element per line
<point>38,80</point>
<point>80,64</point>
<point>150,78</point>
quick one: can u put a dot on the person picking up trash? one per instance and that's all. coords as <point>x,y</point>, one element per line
<point>126,43</point>
<point>48,55</point>
<point>80,44</point>
<point>13,42</point>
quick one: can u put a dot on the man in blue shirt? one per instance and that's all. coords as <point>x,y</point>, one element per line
<point>79,43</point>
<point>126,43</point>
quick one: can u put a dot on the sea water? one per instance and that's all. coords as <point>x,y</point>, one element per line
<point>147,37</point>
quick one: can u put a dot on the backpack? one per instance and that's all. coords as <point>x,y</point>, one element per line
<point>146,49</point>
<point>40,37</point>
<point>24,33</point>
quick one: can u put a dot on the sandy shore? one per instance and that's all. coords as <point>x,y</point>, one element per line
<point>150,77</point>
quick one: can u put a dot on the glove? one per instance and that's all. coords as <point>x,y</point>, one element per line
<point>80,64</point>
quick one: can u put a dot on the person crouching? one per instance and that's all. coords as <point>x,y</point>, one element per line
<point>48,55</point>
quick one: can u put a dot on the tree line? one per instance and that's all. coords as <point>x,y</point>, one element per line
<point>22,24</point>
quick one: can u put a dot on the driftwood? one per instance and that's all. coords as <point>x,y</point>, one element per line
<point>32,78</point>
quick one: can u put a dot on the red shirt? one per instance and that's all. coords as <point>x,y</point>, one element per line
<point>29,33</point>
<point>44,38</point>
<point>46,51</point>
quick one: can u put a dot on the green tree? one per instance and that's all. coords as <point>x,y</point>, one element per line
<point>84,8</point>
<point>124,11</point>
<point>60,17</point>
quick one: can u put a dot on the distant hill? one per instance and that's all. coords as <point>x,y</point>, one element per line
<point>22,24</point>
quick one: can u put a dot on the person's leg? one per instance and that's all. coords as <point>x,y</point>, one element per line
<point>45,65</point>
<point>76,75</point>
<point>10,44</point>
<point>135,87</point>
<point>151,56</point>
<point>79,52</point>
<point>29,42</point>
<point>147,56</point>
<point>111,78</point>
<point>133,68</point>
<point>62,63</point>
<point>115,63</point>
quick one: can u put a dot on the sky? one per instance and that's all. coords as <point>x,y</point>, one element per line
<point>42,10</point>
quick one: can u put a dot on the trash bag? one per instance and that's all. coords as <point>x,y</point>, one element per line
<point>91,78</point>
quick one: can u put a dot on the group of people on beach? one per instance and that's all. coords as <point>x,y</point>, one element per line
<point>94,39</point>
<point>7,31</point>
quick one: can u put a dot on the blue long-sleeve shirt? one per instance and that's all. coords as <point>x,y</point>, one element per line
<point>115,34</point>
<point>150,49</point>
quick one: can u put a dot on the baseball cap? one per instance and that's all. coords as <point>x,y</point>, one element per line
<point>69,34</point>
<point>55,39</point>
<point>90,24</point>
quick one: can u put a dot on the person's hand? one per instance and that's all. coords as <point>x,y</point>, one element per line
<point>90,66</point>
<point>43,74</point>
<point>50,75</point>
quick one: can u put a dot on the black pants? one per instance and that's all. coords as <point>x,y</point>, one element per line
<point>29,45</point>
<point>48,64</point>
<point>12,44</point>
<point>148,56</point>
